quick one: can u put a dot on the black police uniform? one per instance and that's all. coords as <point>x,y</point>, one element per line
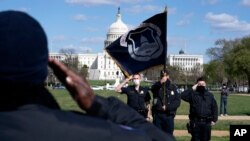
<point>164,119</point>
<point>203,110</point>
<point>33,115</point>
<point>137,99</point>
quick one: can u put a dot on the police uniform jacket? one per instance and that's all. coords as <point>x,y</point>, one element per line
<point>33,115</point>
<point>172,98</point>
<point>137,99</point>
<point>202,106</point>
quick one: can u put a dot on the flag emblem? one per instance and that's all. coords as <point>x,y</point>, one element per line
<point>141,48</point>
<point>144,43</point>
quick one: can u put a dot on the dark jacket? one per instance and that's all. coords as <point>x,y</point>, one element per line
<point>137,99</point>
<point>172,98</point>
<point>224,92</point>
<point>201,105</point>
<point>107,120</point>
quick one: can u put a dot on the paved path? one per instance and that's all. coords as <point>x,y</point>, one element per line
<point>216,133</point>
<point>241,94</point>
<point>185,117</point>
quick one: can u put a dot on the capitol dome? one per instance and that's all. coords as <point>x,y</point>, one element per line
<point>118,27</point>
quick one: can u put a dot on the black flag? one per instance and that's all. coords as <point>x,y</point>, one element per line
<point>141,48</point>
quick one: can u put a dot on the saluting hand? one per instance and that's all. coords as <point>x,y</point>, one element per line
<point>164,79</point>
<point>78,87</point>
<point>149,118</point>
<point>164,107</point>
<point>194,87</point>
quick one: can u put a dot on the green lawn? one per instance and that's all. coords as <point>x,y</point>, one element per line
<point>237,105</point>
<point>67,103</point>
<point>65,100</point>
<point>220,125</point>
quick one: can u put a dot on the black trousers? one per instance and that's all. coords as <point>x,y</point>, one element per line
<point>201,130</point>
<point>164,122</point>
<point>223,105</point>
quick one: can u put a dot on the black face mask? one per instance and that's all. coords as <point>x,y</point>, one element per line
<point>200,89</point>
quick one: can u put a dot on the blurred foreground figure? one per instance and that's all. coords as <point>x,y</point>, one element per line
<point>28,112</point>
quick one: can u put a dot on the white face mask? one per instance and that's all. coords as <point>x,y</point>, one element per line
<point>137,82</point>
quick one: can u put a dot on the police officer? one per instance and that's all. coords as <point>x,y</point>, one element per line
<point>203,110</point>
<point>138,97</point>
<point>166,100</point>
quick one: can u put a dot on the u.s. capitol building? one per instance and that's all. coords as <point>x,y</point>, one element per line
<point>101,66</point>
<point>186,62</point>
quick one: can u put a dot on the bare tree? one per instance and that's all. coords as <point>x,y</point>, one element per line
<point>153,73</point>
<point>84,71</point>
<point>195,72</point>
<point>71,59</point>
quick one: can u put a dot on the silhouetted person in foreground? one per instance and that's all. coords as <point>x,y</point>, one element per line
<point>28,112</point>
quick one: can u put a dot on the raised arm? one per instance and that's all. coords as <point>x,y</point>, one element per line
<point>78,87</point>
<point>119,87</point>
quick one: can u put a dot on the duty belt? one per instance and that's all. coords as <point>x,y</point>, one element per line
<point>202,119</point>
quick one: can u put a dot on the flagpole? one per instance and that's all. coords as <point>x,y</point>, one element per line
<point>165,61</point>
<point>166,46</point>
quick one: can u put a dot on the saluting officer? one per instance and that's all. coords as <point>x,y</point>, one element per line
<point>203,110</point>
<point>138,97</point>
<point>165,103</point>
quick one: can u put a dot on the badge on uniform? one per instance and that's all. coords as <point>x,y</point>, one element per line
<point>155,101</point>
<point>164,107</point>
<point>172,92</point>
